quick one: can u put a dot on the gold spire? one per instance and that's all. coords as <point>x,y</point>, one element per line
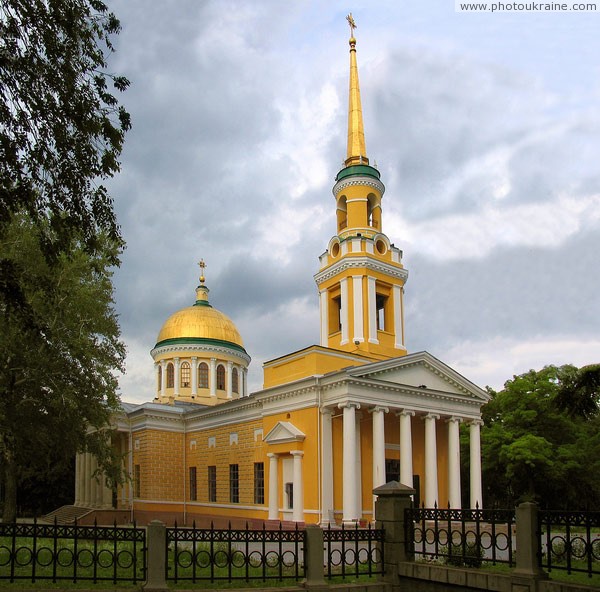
<point>357,151</point>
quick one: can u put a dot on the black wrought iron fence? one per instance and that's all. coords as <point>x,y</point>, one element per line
<point>234,554</point>
<point>55,552</point>
<point>353,552</point>
<point>570,541</point>
<point>461,537</point>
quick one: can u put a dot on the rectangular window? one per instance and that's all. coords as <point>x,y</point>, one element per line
<point>392,470</point>
<point>259,483</point>
<point>381,306</point>
<point>335,313</point>
<point>234,484</point>
<point>193,485</point>
<point>212,483</point>
<point>137,481</point>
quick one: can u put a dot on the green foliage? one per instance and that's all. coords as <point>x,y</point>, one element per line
<point>541,439</point>
<point>61,128</point>
<point>59,350</point>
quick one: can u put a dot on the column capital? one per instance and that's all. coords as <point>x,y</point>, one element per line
<point>194,358</point>
<point>379,408</point>
<point>272,455</point>
<point>476,422</point>
<point>454,418</point>
<point>295,453</point>
<point>327,411</point>
<point>431,416</point>
<point>349,405</point>
<point>163,363</point>
<point>405,412</point>
<point>176,359</point>
<point>229,364</point>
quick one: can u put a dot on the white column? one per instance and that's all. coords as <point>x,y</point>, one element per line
<point>228,380</point>
<point>242,381</point>
<point>344,310</point>
<point>378,448</point>
<point>163,377</point>
<point>245,382</point>
<point>475,462</point>
<point>372,308</point>
<point>358,464</point>
<point>194,375</point>
<point>326,467</point>
<point>78,480</point>
<point>406,455</point>
<point>298,509</point>
<point>359,334</point>
<point>213,377</point>
<point>324,318</point>
<point>98,485</point>
<point>177,376</point>
<point>431,476</point>
<point>398,329</point>
<point>273,487</point>
<point>87,475</point>
<point>454,493</point>
<point>158,384</point>
<point>349,473</point>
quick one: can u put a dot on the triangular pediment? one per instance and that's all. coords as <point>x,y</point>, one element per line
<point>283,432</point>
<point>420,370</point>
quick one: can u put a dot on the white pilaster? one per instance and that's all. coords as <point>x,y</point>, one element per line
<point>228,380</point>
<point>378,448</point>
<point>157,374</point>
<point>359,334</point>
<point>326,467</point>
<point>431,476</point>
<point>212,370</point>
<point>454,494</point>
<point>324,318</point>
<point>475,462</point>
<point>406,455</point>
<point>243,385</point>
<point>372,308</point>
<point>78,480</point>
<point>273,487</point>
<point>398,315</point>
<point>177,364</point>
<point>163,377</point>
<point>87,473</point>
<point>358,464</point>
<point>298,510</point>
<point>349,473</point>
<point>194,375</point>
<point>344,310</point>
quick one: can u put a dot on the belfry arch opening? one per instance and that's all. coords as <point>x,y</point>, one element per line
<point>342,213</point>
<point>373,211</point>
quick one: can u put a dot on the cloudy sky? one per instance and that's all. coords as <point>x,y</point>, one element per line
<point>486,130</point>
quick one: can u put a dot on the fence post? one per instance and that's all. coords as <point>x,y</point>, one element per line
<point>393,499</point>
<point>528,541</point>
<point>313,557</point>
<point>156,558</point>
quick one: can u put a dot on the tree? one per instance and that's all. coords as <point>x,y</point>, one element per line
<point>58,387</point>
<point>61,134</point>
<point>533,449</point>
<point>61,129</point>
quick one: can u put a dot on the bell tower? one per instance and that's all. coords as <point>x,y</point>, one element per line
<point>361,277</point>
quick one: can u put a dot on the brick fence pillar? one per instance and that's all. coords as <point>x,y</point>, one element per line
<point>528,541</point>
<point>313,558</point>
<point>393,499</point>
<point>156,558</point>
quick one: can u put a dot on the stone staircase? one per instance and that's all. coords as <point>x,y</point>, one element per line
<point>66,515</point>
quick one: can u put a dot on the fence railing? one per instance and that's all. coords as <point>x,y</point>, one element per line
<point>353,551</point>
<point>55,552</point>
<point>213,554</point>
<point>462,537</point>
<point>570,541</point>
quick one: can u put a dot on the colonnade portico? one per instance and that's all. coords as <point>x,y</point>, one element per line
<point>90,491</point>
<point>351,449</point>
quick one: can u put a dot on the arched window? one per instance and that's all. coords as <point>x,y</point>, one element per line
<point>234,381</point>
<point>159,377</point>
<point>203,375</point>
<point>186,374</point>
<point>221,377</point>
<point>170,375</point>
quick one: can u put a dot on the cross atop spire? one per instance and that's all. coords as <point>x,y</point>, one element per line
<point>352,24</point>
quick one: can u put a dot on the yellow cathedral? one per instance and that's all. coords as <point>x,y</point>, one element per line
<point>332,421</point>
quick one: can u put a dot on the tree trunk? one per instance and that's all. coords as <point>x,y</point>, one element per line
<point>9,513</point>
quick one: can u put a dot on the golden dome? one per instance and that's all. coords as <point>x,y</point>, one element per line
<point>200,322</point>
